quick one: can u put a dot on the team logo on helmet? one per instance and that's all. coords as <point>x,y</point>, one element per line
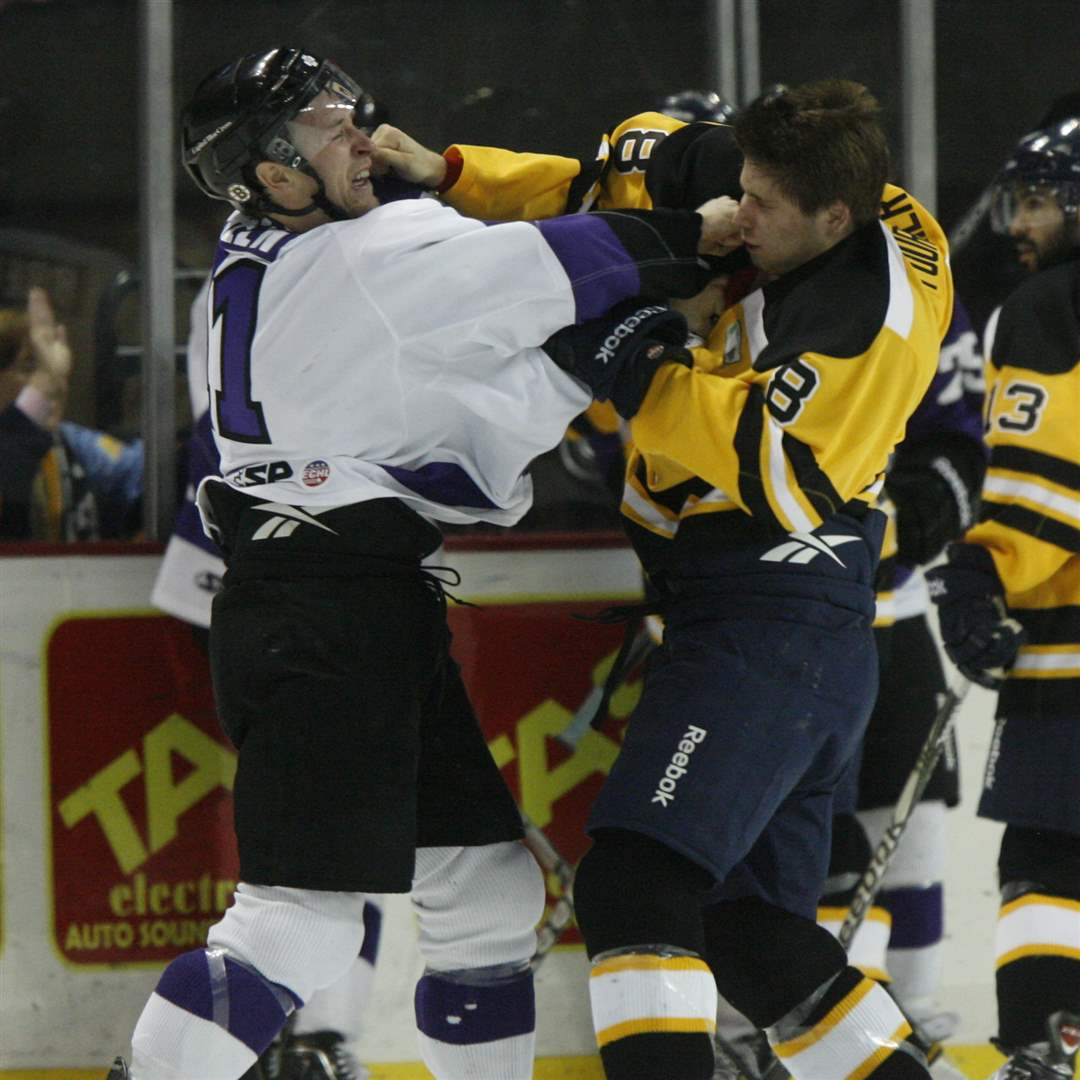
<point>239,192</point>
<point>315,473</point>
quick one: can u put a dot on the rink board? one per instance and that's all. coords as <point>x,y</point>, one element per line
<point>976,1062</point>
<point>115,797</point>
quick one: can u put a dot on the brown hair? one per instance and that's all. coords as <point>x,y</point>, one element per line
<point>14,336</point>
<point>820,143</point>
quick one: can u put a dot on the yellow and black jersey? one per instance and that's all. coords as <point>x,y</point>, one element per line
<point>803,389</point>
<point>1030,514</point>
<point>627,173</point>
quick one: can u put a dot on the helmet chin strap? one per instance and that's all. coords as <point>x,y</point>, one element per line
<point>319,201</point>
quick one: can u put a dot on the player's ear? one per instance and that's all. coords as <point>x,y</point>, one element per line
<point>838,218</point>
<point>280,182</point>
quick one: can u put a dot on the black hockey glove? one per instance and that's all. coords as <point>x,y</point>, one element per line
<point>618,354</point>
<point>979,636</point>
<point>935,487</point>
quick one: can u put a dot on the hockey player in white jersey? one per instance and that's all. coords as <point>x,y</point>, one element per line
<point>376,366</point>
<point>319,1042</point>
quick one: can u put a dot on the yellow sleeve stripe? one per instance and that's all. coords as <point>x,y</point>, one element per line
<point>876,1058</point>
<point>1038,495</point>
<point>822,1028</point>
<point>1047,662</point>
<point>651,1024</point>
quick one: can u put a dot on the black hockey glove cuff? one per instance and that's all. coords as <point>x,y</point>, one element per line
<point>663,245</point>
<point>935,488</point>
<point>982,640</point>
<point>617,355</point>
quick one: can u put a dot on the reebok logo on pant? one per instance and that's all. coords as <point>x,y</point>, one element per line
<point>676,768</point>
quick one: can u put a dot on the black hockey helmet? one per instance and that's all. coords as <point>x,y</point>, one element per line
<point>691,105</point>
<point>239,115</point>
<point>1047,160</point>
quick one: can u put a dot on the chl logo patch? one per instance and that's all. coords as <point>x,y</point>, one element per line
<point>315,473</point>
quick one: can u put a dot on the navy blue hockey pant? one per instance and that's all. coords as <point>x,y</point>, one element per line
<point>750,711</point>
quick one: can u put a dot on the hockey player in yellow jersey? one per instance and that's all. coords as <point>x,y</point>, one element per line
<point>750,499</point>
<point>1009,607</point>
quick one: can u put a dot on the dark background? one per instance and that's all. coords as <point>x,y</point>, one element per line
<point>545,75</point>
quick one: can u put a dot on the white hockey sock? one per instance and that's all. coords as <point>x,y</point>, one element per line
<point>868,947</point>
<point>477,1024</point>
<point>340,1006</point>
<point>856,1036</point>
<point>208,1019</point>
<point>171,1043</point>
<point>914,894</point>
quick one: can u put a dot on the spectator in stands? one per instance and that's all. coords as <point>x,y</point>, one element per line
<point>58,480</point>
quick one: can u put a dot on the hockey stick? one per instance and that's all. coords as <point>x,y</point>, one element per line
<point>965,228</point>
<point>543,850</point>
<point>923,769</point>
<point>551,862</point>
<point>870,883</point>
<point>640,647</point>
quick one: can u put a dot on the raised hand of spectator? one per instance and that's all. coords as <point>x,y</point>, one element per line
<point>52,353</point>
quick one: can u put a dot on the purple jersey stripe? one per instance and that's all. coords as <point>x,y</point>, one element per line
<point>917,916</point>
<point>441,482</point>
<point>203,461</point>
<point>461,1015</point>
<point>600,269</point>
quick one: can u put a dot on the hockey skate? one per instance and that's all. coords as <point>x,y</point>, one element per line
<point>1054,1059</point>
<point>319,1055</point>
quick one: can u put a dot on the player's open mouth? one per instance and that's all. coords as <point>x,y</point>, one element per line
<point>361,181</point>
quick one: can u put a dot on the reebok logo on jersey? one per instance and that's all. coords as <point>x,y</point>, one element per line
<point>606,353</point>
<point>805,546</point>
<point>677,766</point>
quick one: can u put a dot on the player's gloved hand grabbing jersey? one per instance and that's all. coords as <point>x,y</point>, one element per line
<point>979,636</point>
<point>618,354</point>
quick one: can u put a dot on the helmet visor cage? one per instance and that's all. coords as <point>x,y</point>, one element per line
<point>1036,198</point>
<point>326,115</point>
<point>1044,169</point>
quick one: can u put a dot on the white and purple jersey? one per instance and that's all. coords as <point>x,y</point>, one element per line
<point>192,567</point>
<point>398,354</point>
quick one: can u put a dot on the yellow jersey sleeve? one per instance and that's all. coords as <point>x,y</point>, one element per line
<point>503,185</point>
